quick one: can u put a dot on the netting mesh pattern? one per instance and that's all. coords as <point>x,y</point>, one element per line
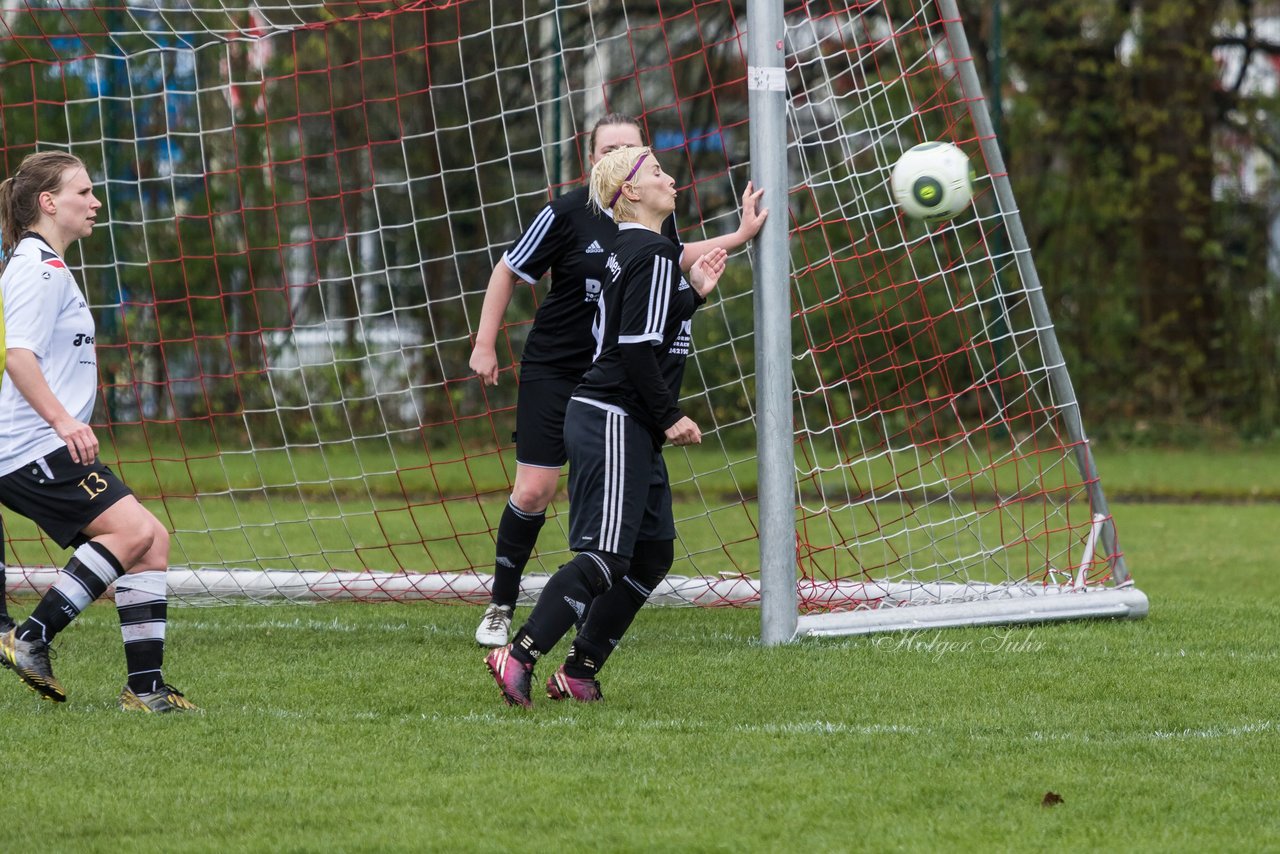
<point>303,202</point>
<point>932,446</point>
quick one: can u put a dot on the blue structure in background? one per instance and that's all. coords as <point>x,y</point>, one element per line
<point>704,140</point>
<point>155,95</point>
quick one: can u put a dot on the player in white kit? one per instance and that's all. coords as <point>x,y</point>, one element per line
<point>49,466</point>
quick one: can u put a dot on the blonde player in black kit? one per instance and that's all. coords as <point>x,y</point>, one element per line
<point>572,240</point>
<point>619,416</point>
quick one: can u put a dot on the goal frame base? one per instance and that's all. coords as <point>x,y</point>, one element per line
<point>869,606</point>
<point>1011,606</point>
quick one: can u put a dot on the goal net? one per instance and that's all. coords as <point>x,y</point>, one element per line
<point>302,205</point>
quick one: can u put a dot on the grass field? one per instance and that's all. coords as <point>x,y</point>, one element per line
<point>375,727</point>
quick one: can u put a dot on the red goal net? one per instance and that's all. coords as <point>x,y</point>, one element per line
<point>302,206</point>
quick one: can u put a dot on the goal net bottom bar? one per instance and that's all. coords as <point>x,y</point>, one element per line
<point>1006,606</point>
<point>219,586</point>
<point>851,607</point>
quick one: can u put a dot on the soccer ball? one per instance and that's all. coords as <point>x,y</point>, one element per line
<point>932,181</point>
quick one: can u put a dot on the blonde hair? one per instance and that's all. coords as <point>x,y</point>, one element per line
<point>613,170</point>
<point>20,193</point>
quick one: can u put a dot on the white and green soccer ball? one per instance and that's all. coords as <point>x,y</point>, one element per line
<point>932,181</point>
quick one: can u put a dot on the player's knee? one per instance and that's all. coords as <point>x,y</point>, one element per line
<point>131,547</point>
<point>156,556</point>
<point>532,502</point>
<point>134,538</point>
<point>533,493</point>
<point>600,570</point>
<point>651,562</point>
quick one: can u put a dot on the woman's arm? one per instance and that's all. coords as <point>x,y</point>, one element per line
<point>24,372</point>
<point>753,217</point>
<point>484,356</point>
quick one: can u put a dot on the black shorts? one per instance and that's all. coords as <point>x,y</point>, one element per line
<point>619,491</point>
<point>539,432</point>
<point>61,496</point>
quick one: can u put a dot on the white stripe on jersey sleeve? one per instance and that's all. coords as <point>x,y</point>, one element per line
<point>517,256</point>
<point>659,300</point>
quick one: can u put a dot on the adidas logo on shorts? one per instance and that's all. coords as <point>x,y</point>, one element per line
<point>595,248</point>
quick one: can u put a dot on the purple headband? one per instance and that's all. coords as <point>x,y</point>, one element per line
<point>630,175</point>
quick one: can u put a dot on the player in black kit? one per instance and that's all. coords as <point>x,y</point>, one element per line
<point>619,416</point>
<point>572,240</point>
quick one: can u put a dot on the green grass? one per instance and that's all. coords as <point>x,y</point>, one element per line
<point>375,727</point>
<point>428,510</point>
<point>358,470</point>
<point>1205,473</point>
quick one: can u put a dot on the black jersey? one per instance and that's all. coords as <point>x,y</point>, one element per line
<point>572,239</point>
<point>644,331</point>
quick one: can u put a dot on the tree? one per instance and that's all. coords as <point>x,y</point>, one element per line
<point>1116,111</point>
<point>1179,311</point>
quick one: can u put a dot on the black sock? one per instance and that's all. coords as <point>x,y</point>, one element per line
<point>567,596</point>
<point>585,658</point>
<point>85,577</point>
<point>517,535</point>
<point>613,612</point>
<point>610,617</point>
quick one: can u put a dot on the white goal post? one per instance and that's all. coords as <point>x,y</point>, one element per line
<point>897,605</point>
<point>302,204</point>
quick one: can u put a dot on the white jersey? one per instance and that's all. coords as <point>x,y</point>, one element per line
<point>44,312</point>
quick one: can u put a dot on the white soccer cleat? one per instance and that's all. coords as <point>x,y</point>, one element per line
<point>495,626</point>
